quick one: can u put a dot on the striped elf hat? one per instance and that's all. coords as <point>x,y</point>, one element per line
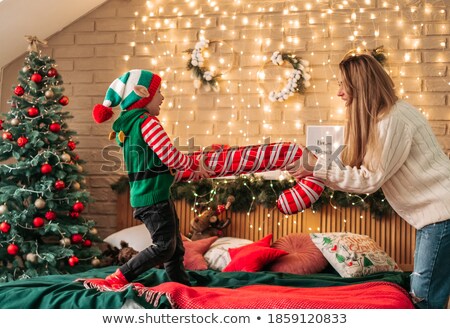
<point>127,92</point>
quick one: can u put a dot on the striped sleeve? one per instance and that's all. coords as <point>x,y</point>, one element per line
<point>158,140</point>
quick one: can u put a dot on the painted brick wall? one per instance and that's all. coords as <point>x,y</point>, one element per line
<point>114,38</point>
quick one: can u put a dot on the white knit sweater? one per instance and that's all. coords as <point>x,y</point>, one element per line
<point>414,173</point>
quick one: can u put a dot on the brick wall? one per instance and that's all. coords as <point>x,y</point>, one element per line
<point>114,38</point>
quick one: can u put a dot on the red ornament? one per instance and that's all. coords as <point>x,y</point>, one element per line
<point>73,261</point>
<point>1,125</point>
<point>5,227</point>
<point>22,141</point>
<point>38,221</point>
<point>76,238</point>
<point>50,215</point>
<point>71,145</point>
<point>74,214</point>
<point>46,169</point>
<point>36,77</point>
<point>52,73</point>
<point>78,206</point>
<point>33,111</point>
<point>55,127</point>
<point>7,135</point>
<point>64,100</point>
<point>60,185</point>
<point>12,249</point>
<point>87,243</point>
<point>19,91</point>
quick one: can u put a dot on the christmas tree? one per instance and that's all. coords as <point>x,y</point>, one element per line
<point>42,184</point>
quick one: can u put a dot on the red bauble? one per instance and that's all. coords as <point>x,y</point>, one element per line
<point>52,73</point>
<point>50,215</point>
<point>38,221</point>
<point>87,243</point>
<point>74,214</point>
<point>7,135</point>
<point>64,100</point>
<point>76,238</point>
<point>36,77</point>
<point>78,206</point>
<point>71,145</point>
<point>22,141</point>
<point>12,249</point>
<point>5,227</point>
<point>46,169</point>
<point>55,127</point>
<point>73,260</point>
<point>1,126</point>
<point>60,185</point>
<point>19,91</point>
<point>33,111</point>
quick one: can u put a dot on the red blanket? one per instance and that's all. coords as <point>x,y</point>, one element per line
<point>368,295</point>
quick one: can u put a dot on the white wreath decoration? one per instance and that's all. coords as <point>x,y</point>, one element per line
<point>298,80</point>
<point>201,74</point>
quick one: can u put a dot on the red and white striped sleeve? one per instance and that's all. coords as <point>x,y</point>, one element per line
<point>158,140</point>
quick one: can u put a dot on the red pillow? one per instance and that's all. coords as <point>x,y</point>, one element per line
<point>194,251</point>
<point>264,242</point>
<point>253,259</point>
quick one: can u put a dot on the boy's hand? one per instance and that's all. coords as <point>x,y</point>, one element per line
<point>203,171</point>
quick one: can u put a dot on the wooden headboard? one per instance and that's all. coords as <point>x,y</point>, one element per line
<point>392,233</point>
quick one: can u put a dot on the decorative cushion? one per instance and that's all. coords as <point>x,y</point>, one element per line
<point>304,257</point>
<point>137,237</point>
<point>217,257</point>
<point>354,255</point>
<point>194,251</point>
<point>253,257</point>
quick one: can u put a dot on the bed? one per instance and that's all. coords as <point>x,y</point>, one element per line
<point>232,273</point>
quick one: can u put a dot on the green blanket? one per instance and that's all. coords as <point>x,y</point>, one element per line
<point>61,291</point>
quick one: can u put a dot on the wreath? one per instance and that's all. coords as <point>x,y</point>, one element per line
<point>298,80</point>
<point>201,73</point>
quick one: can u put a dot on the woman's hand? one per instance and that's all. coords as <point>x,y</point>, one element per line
<point>304,166</point>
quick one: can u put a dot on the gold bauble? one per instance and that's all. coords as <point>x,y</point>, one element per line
<point>95,262</point>
<point>76,186</point>
<point>32,258</point>
<point>93,231</point>
<point>65,157</point>
<point>65,242</point>
<point>3,209</point>
<point>39,203</point>
<point>49,94</point>
<point>15,122</point>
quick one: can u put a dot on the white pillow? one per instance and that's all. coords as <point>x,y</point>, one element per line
<point>217,256</point>
<point>137,237</point>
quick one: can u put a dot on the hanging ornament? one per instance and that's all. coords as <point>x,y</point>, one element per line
<point>38,221</point>
<point>32,258</point>
<point>3,209</point>
<point>12,249</point>
<point>26,68</point>
<point>64,100</point>
<point>7,135</point>
<point>19,91</point>
<point>39,203</point>
<point>50,215</point>
<point>87,243</point>
<point>60,185</point>
<point>73,261</point>
<point>55,127</point>
<point>65,157</point>
<point>15,122</point>
<point>49,94</point>
<point>76,238</point>
<point>79,168</point>
<point>1,124</point>
<point>52,72</point>
<point>74,214</point>
<point>46,169</point>
<point>78,206</point>
<point>65,242</point>
<point>36,77</point>
<point>95,262</point>
<point>22,141</point>
<point>5,227</point>
<point>71,145</point>
<point>93,231</point>
<point>76,186</point>
<point>33,112</point>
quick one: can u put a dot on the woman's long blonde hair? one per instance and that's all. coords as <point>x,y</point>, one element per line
<point>371,95</point>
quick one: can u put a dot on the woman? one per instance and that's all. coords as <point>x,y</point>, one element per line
<point>390,145</point>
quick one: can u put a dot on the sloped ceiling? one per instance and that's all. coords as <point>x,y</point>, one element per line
<point>41,18</point>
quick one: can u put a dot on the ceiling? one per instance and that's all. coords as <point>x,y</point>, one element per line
<point>41,18</point>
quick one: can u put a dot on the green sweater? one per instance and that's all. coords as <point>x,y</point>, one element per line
<point>150,179</point>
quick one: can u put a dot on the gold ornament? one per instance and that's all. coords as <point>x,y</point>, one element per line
<point>93,231</point>
<point>49,94</point>
<point>79,168</point>
<point>65,242</point>
<point>76,186</point>
<point>15,122</point>
<point>121,136</point>
<point>95,262</point>
<point>3,209</point>
<point>65,157</point>
<point>39,203</point>
<point>32,258</point>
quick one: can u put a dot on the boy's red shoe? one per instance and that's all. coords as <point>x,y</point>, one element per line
<point>113,282</point>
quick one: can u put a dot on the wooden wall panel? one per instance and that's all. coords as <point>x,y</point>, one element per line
<point>392,233</point>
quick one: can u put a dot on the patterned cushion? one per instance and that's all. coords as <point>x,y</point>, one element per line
<point>304,257</point>
<point>354,255</point>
